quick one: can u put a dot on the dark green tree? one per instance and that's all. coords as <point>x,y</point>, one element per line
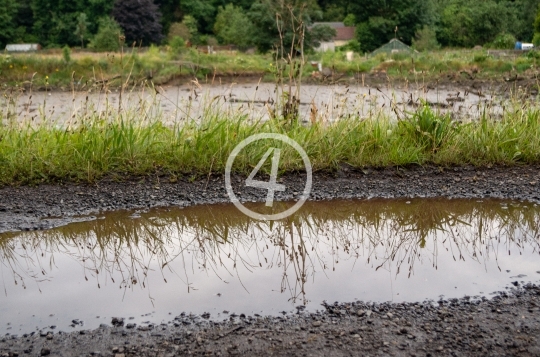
<point>320,33</point>
<point>273,20</point>
<point>24,22</point>
<point>170,13</point>
<point>55,20</point>
<point>536,28</point>
<point>378,19</point>
<point>202,10</point>
<point>81,29</point>
<point>8,10</point>
<point>524,12</point>
<point>464,23</point>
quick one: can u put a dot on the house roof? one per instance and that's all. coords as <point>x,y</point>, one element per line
<point>344,34</point>
<point>335,25</point>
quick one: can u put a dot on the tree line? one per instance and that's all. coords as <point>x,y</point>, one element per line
<point>427,24</point>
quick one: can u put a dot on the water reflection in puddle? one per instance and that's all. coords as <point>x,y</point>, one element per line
<point>213,258</point>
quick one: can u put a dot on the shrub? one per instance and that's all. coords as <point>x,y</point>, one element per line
<point>425,39</point>
<point>480,58</point>
<point>536,39</point>
<point>66,54</point>
<point>108,36</point>
<point>349,20</point>
<point>504,41</point>
<point>352,45</point>
<point>177,43</point>
<point>179,29</point>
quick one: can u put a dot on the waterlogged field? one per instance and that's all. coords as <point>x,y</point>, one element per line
<point>216,262</point>
<point>255,102</point>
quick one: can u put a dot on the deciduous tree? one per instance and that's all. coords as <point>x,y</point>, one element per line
<point>232,26</point>
<point>277,21</point>
<point>7,24</point>
<point>140,20</point>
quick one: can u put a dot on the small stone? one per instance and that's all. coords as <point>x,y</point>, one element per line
<point>117,321</point>
<point>368,313</point>
<point>49,337</point>
<point>45,352</point>
<point>360,313</point>
<point>386,344</point>
<point>317,324</point>
<point>119,355</point>
<point>390,315</point>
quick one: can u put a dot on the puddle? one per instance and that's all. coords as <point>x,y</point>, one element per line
<point>152,266</point>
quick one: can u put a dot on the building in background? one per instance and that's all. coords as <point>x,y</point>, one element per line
<point>343,35</point>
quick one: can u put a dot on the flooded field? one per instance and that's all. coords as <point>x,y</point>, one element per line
<point>180,104</point>
<point>150,266</point>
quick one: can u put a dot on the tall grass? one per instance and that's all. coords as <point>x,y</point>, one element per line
<point>135,141</point>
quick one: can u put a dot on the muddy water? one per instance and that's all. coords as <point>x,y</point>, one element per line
<point>179,104</point>
<point>152,266</point>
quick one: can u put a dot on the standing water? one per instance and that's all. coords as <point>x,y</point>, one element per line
<point>151,266</point>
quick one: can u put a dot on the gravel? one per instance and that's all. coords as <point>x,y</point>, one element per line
<point>47,206</point>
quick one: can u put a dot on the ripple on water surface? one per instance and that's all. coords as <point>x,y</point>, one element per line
<point>154,265</point>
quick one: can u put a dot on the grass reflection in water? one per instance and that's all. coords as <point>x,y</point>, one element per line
<point>394,235</point>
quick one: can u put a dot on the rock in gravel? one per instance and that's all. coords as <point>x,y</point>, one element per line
<point>117,321</point>
<point>360,313</point>
<point>368,313</point>
<point>45,352</point>
<point>317,324</point>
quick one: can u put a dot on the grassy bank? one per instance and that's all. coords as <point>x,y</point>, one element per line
<point>136,142</point>
<point>51,70</point>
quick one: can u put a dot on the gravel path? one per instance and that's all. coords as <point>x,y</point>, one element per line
<point>505,325</point>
